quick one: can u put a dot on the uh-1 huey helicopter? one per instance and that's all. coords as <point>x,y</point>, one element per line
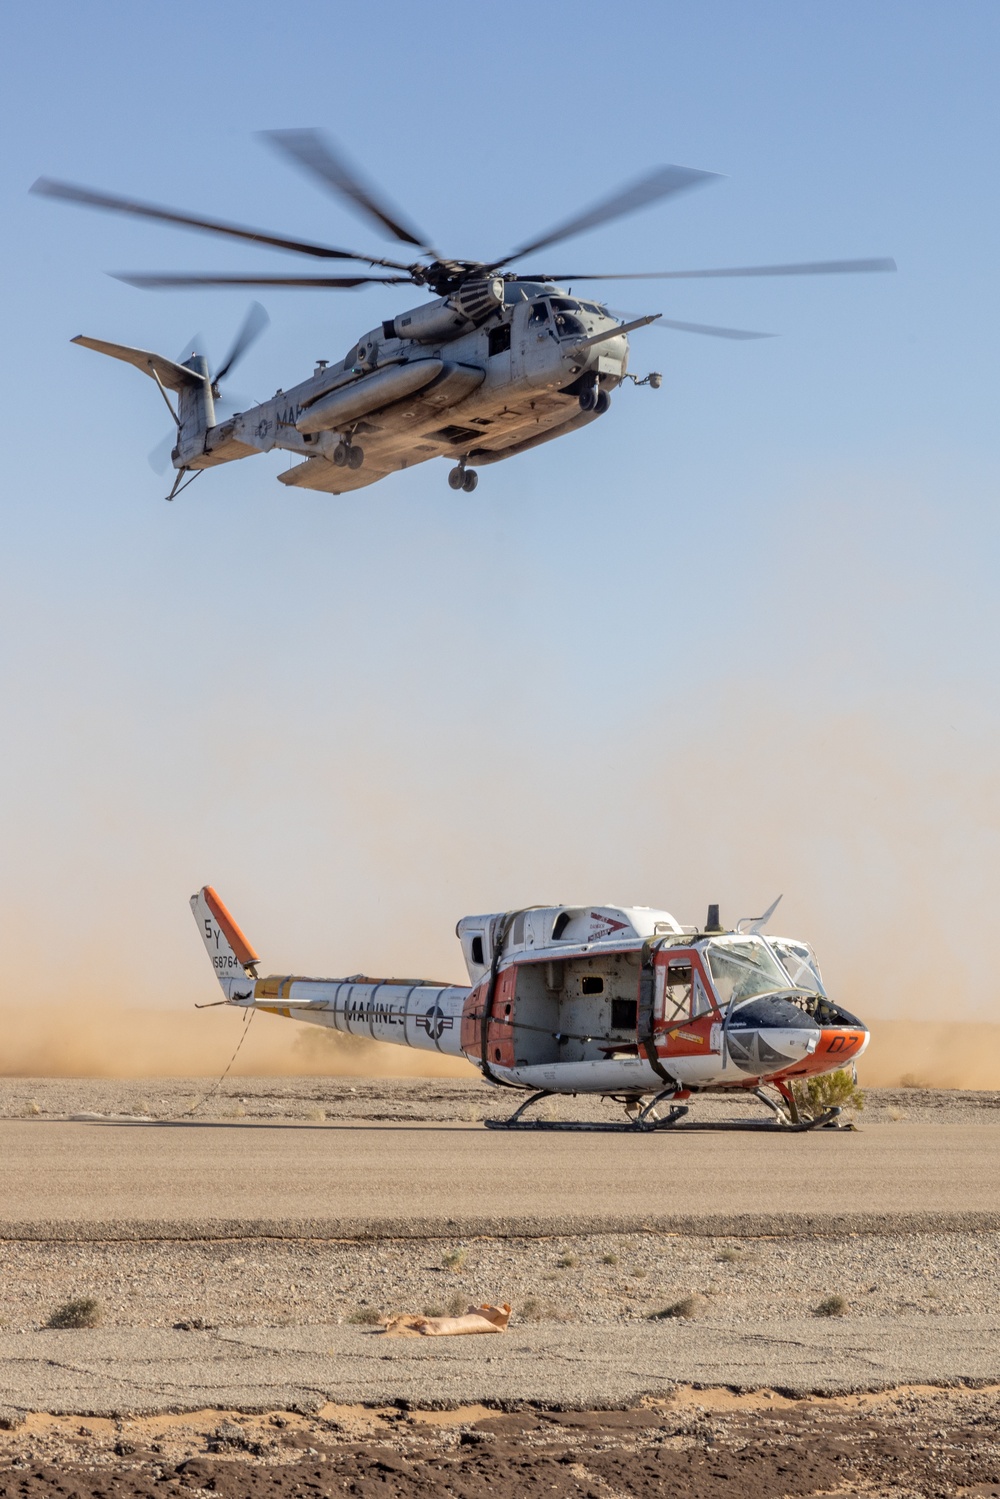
<point>618,1001</point>
<point>498,363</point>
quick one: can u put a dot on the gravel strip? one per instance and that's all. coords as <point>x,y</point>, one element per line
<point>607,1279</point>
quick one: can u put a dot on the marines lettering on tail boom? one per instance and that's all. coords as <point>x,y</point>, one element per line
<point>622,1002</point>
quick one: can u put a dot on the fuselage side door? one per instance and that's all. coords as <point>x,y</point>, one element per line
<point>500,1030</point>
<point>683,1007</point>
<point>531,339</point>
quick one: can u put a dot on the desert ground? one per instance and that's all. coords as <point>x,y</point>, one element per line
<point>701,1308</point>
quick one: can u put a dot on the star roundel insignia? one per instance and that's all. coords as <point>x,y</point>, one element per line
<point>435,1022</point>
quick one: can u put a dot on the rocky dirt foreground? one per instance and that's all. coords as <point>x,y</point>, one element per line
<point>694,1443</point>
<point>833,1296</point>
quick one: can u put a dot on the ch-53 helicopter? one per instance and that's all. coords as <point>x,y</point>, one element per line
<point>619,1001</point>
<point>498,363</point>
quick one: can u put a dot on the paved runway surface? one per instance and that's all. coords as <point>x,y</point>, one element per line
<point>106,1180</point>
<point>286,1367</point>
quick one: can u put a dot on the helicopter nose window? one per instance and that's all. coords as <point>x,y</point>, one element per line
<point>568,326</point>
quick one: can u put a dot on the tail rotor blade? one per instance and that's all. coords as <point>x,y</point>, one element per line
<point>252,327</point>
<point>159,457</point>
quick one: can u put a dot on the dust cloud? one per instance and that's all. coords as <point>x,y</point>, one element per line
<point>125,1043</point>
<point>931,1054</point>
<point>96,1041</point>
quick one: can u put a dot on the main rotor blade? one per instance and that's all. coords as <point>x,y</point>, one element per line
<point>253,326</point>
<point>156,281</point>
<point>808,268</point>
<point>86,196</point>
<point>711,329</point>
<point>309,149</point>
<point>661,183</point>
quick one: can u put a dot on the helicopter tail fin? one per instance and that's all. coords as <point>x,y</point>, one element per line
<point>189,381</point>
<point>233,959</point>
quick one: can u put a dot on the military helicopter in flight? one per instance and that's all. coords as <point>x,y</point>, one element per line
<point>499,362</point>
<point>618,1001</point>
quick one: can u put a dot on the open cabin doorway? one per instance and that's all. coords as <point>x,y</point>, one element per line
<point>576,1010</point>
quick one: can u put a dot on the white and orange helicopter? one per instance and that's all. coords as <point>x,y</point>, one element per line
<point>618,1001</point>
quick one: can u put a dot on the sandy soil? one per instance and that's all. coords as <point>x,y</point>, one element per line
<point>701,1444</point>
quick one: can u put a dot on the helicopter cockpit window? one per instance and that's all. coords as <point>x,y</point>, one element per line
<point>567,325</point>
<point>539,313</point>
<point>742,967</point>
<point>799,962</point>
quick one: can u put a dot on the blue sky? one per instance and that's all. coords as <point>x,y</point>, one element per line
<point>738,637</point>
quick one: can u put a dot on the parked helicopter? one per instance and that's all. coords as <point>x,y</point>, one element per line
<point>498,363</point>
<point>619,1001</point>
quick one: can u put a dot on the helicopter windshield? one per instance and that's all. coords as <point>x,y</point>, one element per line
<point>742,967</point>
<point>799,962</point>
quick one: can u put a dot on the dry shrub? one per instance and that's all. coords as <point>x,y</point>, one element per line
<point>455,1259</point>
<point>568,1260</point>
<point>84,1311</point>
<point>831,1306</point>
<point>610,1258</point>
<point>686,1308</point>
<point>365,1316</point>
<point>533,1310</point>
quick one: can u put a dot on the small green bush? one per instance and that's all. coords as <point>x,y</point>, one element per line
<point>609,1259</point>
<point>83,1312</point>
<point>455,1259</point>
<point>814,1095</point>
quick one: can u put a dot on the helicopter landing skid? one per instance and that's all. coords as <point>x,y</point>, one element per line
<point>646,1122</point>
<point>643,1123</point>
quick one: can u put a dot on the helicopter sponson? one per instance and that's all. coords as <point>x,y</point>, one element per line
<point>618,1001</point>
<point>499,362</point>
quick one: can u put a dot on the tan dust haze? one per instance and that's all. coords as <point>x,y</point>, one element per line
<point>182,1043</point>
<point>59,1041</point>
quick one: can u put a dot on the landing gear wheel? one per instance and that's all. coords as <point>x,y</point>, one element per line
<point>602,403</point>
<point>355,456</point>
<point>469,480</point>
<point>589,397</point>
<point>340,453</point>
<point>456,478</point>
